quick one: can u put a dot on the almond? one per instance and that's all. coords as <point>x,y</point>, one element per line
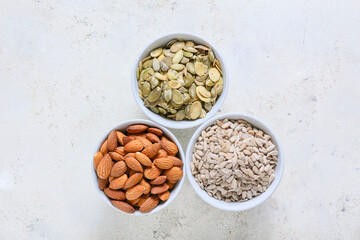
<point>146,185</point>
<point>164,196</point>
<point>142,200</point>
<point>116,156</point>
<point>133,146</point>
<point>169,147</point>
<point>143,159</point>
<point>133,180</point>
<point>134,192</point>
<point>152,138</point>
<point>120,150</point>
<point>177,161</point>
<point>123,206</point>
<point>161,154</point>
<point>111,178</point>
<point>120,137</point>
<point>144,141</point>
<point>102,183</point>
<point>103,148</point>
<point>149,152</point>
<point>129,155</point>
<point>97,158</point>
<point>128,139</point>
<point>159,180</point>
<point>118,169</point>
<point>135,201</point>
<point>104,168</point>
<point>164,163</point>
<point>173,174</point>
<point>157,147</point>
<point>160,189</point>
<point>133,164</point>
<point>114,194</point>
<point>119,182</point>
<point>131,172</point>
<point>112,141</point>
<point>137,128</point>
<point>152,172</point>
<point>156,131</point>
<point>171,185</point>
<point>149,204</point>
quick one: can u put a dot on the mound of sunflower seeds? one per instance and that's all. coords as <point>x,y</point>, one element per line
<point>180,80</point>
<point>234,161</point>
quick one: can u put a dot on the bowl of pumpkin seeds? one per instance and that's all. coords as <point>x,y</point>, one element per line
<point>179,80</point>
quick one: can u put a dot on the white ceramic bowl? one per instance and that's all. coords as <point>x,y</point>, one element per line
<point>236,206</point>
<point>122,127</point>
<point>162,41</point>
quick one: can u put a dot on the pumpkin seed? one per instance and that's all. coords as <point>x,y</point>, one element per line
<point>154,82</point>
<point>214,74</point>
<point>154,94</point>
<point>146,74</point>
<point>172,74</point>
<point>190,49</point>
<point>188,54</point>
<point>177,67</point>
<point>177,47</point>
<point>190,68</point>
<point>160,76</point>
<point>209,83</point>
<point>156,52</point>
<point>177,57</point>
<point>184,60</point>
<point>171,42</point>
<point>180,115</point>
<point>174,84</point>
<point>154,109</point>
<point>145,89</point>
<point>138,73</point>
<point>167,95</point>
<point>208,106</point>
<point>156,64</point>
<point>187,98</point>
<point>203,92</point>
<point>195,110</point>
<point>177,97</point>
<point>172,111</point>
<point>203,113</point>
<point>162,111</point>
<point>211,55</point>
<point>167,53</point>
<point>202,47</point>
<point>192,91</point>
<point>189,79</point>
<point>200,68</point>
<point>189,44</point>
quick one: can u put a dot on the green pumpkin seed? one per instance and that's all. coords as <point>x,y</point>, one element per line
<point>167,95</point>
<point>138,73</point>
<point>200,68</point>
<point>178,67</point>
<point>177,47</point>
<point>184,60</point>
<point>147,64</point>
<point>154,94</point>
<point>209,83</point>
<point>146,74</point>
<point>171,42</point>
<point>154,109</point>
<point>190,49</point>
<point>214,74</point>
<point>203,113</point>
<point>208,106</point>
<point>189,79</point>
<point>177,97</point>
<point>177,57</point>
<point>192,91</point>
<point>162,111</point>
<point>154,82</point>
<point>200,90</point>
<point>211,55</point>
<point>195,110</point>
<point>190,68</point>
<point>145,89</point>
<point>172,111</point>
<point>187,98</point>
<point>201,47</point>
<point>188,54</point>
<point>160,76</point>
<point>180,115</point>
<point>172,74</point>
<point>189,44</point>
<point>156,64</point>
<point>174,84</point>
<point>156,52</point>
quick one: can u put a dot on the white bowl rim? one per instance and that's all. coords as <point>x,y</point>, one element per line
<point>236,206</point>
<point>184,124</point>
<point>174,192</point>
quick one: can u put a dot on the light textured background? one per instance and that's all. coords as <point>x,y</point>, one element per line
<point>65,79</point>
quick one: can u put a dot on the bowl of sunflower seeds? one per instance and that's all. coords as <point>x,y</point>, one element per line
<point>179,80</point>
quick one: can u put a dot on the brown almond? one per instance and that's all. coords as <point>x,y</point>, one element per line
<point>103,183</point>
<point>97,158</point>
<point>159,180</point>
<point>111,178</point>
<point>131,172</point>
<point>133,164</point>
<point>119,182</point>
<point>104,168</point>
<point>156,131</point>
<point>120,150</point>
<point>149,204</point>
<point>143,159</point>
<point>134,192</point>
<point>128,139</point>
<point>144,141</point>
<point>174,174</point>
<point>123,206</point>
<point>177,161</point>
<point>116,156</point>
<point>160,189</point>
<point>164,163</point>
<point>161,154</point>
<point>152,172</point>
<point>112,141</point>
<point>149,152</point>
<point>146,185</point>
<point>114,194</point>
<point>164,196</point>
<point>118,169</point>
<point>133,180</point>
<point>169,147</point>
<point>157,147</point>
<point>120,137</point>
<point>133,146</point>
<point>135,201</point>
<point>142,200</point>
<point>171,185</point>
<point>152,138</point>
<point>129,155</point>
<point>137,128</point>
<point>103,148</point>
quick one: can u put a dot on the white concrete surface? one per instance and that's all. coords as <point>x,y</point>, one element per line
<point>65,79</point>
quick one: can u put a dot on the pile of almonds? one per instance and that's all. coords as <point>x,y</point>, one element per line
<point>138,169</point>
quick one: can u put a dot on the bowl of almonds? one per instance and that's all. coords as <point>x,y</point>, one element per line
<point>179,80</point>
<point>234,161</point>
<point>138,168</point>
